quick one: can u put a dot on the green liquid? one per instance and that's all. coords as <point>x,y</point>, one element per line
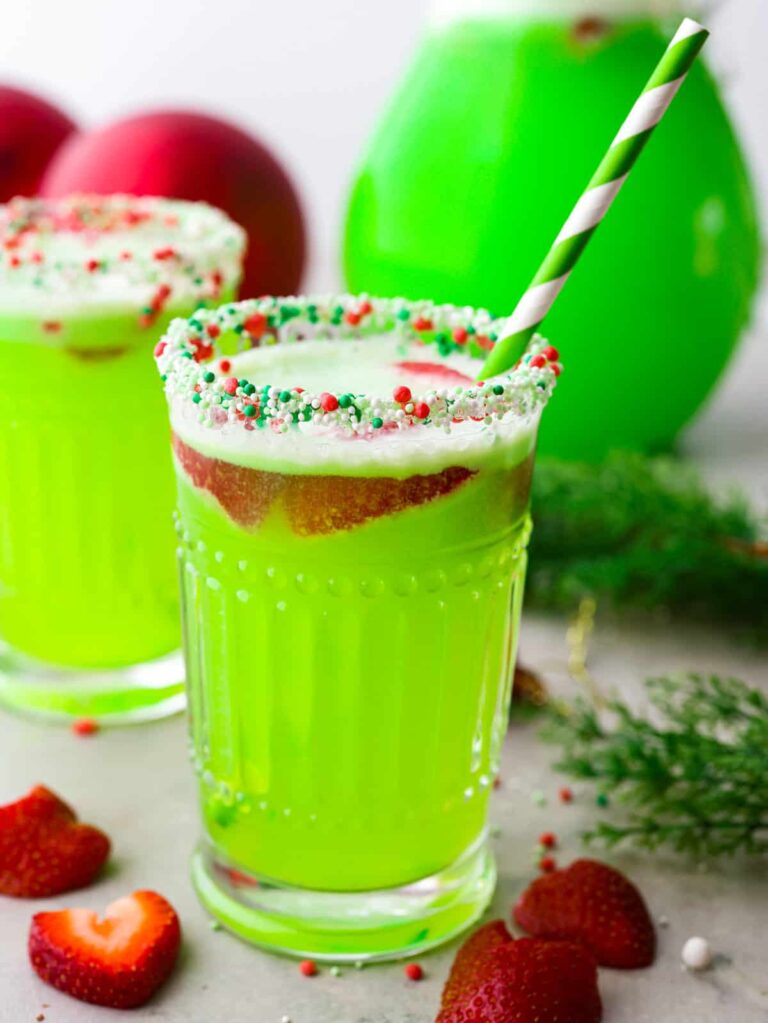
<point>348,691</point>
<point>493,135</point>
<point>87,574</point>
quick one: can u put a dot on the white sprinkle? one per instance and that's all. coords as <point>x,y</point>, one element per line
<point>285,1019</point>
<point>663,921</point>
<point>697,954</point>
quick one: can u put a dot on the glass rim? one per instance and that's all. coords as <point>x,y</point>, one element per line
<point>85,254</point>
<point>196,369</point>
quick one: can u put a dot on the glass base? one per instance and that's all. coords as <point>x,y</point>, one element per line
<point>140,692</point>
<point>346,926</point>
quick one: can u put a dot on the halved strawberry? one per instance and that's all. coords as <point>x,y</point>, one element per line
<point>592,903</point>
<point>245,494</point>
<point>530,981</point>
<point>447,376</point>
<point>44,850</point>
<point>467,966</point>
<point>324,504</point>
<point>118,961</point>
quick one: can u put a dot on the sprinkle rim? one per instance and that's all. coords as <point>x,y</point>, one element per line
<point>195,369</point>
<point>199,259</point>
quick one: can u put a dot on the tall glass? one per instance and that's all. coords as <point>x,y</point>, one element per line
<point>352,527</point>
<point>88,605</point>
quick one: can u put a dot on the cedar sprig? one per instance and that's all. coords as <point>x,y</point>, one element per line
<point>644,534</point>
<point>691,774</point>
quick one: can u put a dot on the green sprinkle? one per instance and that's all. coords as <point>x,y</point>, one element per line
<point>195,323</point>
<point>242,383</point>
<point>498,389</point>
<point>249,389</point>
<point>285,396</point>
<point>403,314</point>
<point>250,411</point>
<point>538,798</point>
<point>196,398</point>
<point>345,400</point>
<point>377,423</point>
<point>209,377</point>
<point>602,799</point>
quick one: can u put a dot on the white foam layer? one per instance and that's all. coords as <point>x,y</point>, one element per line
<point>370,367</point>
<point>44,272</point>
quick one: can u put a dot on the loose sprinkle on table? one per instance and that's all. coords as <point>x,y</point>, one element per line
<point>414,972</point>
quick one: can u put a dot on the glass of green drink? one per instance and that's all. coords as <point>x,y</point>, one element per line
<point>88,604</point>
<point>352,526</point>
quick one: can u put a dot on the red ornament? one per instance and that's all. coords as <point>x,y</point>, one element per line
<point>414,972</point>
<point>402,394</point>
<point>308,967</point>
<point>188,155</point>
<point>31,130</point>
<point>421,410</point>
<point>329,402</point>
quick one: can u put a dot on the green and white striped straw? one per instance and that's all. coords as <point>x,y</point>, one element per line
<point>596,200</point>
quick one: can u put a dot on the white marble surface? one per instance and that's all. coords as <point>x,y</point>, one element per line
<point>136,784</point>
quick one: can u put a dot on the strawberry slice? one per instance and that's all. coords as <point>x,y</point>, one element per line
<point>530,981</point>
<point>592,903</point>
<point>118,961</point>
<point>324,504</point>
<point>245,494</point>
<point>436,371</point>
<point>44,850</point>
<point>467,966</point>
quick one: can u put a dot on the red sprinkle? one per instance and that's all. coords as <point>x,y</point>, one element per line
<point>162,254</point>
<point>422,323</point>
<point>126,255</point>
<point>352,318</point>
<point>159,348</point>
<point>537,362</point>
<point>51,326</point>
<point>92,265</point>
<point>85,726</point>
<point>230,385</point>
<point>364,308</point>
<point>548,840</point>
<point>484,341</point>
<point>551,353</point>
<point>308,967</point>
<point>421,410</point>
<point>460,335</point>
<point>328,402</point>
<point>255,325</point>
<point>556,368</point>
<point>225,365</point>
<point>414,972</point>
<point>402,394</point>
<point>565,794</point>
<point>15,262</point>
<point>213,330</point>
<point>37,257</point>
<point>547,864</point>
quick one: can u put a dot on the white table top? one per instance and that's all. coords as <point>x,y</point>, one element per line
<point>137,785</point>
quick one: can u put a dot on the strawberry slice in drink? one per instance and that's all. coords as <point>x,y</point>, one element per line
<point>436,371</point>
<point>245,494</point>
<point>325,504</point>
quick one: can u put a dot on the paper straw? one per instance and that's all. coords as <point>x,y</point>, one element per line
<point>594,203</point>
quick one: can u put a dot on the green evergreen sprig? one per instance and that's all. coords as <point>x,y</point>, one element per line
<point>644,534</point>
<point>691,775</point>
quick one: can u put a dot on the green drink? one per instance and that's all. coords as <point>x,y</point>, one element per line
<point>497,125</point>
<point>88,604</point>
<point>352,528</point>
